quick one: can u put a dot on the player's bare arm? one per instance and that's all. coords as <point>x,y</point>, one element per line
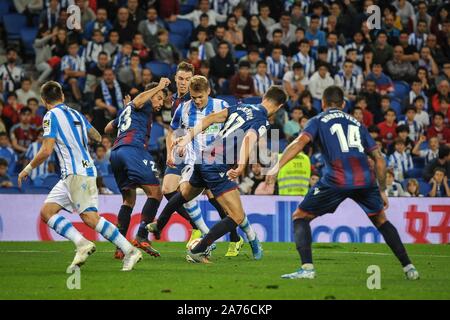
<point>145,96</point>
<point>380,170</point>
<point>169,147</point>
<point>248,144</point>
<point>110,127</point>
<point>45,152</point>
<point>94,135</point>
<point>294,148</point>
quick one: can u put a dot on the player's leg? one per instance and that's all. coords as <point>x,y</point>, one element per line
<point>371,202</point>
<point>124,216</point>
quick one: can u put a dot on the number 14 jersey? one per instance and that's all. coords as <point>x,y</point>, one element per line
<point>344,143</point>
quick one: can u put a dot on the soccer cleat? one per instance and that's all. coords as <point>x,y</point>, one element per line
<point>82,253</point>
<point>196,234</point>
<point>201,257</point>
<point>234,248</point>
<point>411,272</point>
<point>153,228</point>
<point>130,259</point>
<point>146,246</point>
<point>300,274</point>
<point>257,249</point>
<point>118,254</point>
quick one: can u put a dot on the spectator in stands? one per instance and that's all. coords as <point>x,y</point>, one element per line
<point>277,65</point>
<point>435,49</point>
<point>23,133</point>
<point>100,23</point>
<point>387,127</point>
<point>352,55</point>
<point>393,188</point>
<point>298,18</point>
<point>294,47</point>
<point>49,17</point>
<point>412,189</point>
<point>392,32</point>
<point>108,96</point>
<point>291,128</point>
<point>59,46</point>
<point>47,166</point>
<point>238,12</point>
<point>361,103</point>
<point>147,77</point>
<point>251,181</point>
<point>124,27</point>
<point>132,76</point>
<point>255,34</point>
<point>410,53</point>
<point>149,28</point>
<point>443,91</point>
<point>315,177</point>
<point>219,37</point>
<point>277,37</point>
<point>287,28</point>
<point>415,128</point>
<point>422,116</point>
<point>25,92</point>
<point>101,162</point>
<point>305,100</point>
<point>358,45</point>
<point>426,60</point>
<point>205,48</point>
<point>439,184</point>
<point>140,49</point>
<point>123,58</point>
<point>319,81</point>
<point>11,74</point>
<point>398,68</point>
<point>303,57</point>
<point>322,58</point>
<point>194,59</point>
<point>234,34</point>
<point>358,114</point>
<point>203,7</point>
<point>314,35</point>
<point>37,112</point>
<point>427,86</point>
<point>222,65</point>
<point>419,37</point>
<point>93,48</point>
<point>87,14</point>
<point>264,15</point>
<point>416,90</point>
<point>382,51</point>
<point>43,53</point>
<point>102,188</point>
<point>431,152</point>
<point>440,17</point>
<point>135,12</point>
<point>12,109</point>
<point>205,71</point>
<point>445,72</point>
<point>439,129</point>
<point>204,25</point>
<point>402,132</point>
<point>295,81</point>
<point>7,153</point>
<point>241,84</point>
<point>73,71</point>
<point>349,82</point>
<point>5,180</point>
<point>113,47</point>
<point>253,58</point>
<point>95,73</point>
<point>165,51</point>
<point>383,82</point>
<point>336,53</point>
<point>443,161</point>
<point>405,11</point>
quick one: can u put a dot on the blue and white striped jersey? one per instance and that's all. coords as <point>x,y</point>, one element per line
<point>262,83</point>
<point>70,130</point>
<point>307,63</point>
<point>336,55</point>
<point>188,115</point>
<point>32,151</point>
<point>73,63</point>
<point>277,68</point>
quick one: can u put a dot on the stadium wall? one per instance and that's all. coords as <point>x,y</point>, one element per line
<point>419,220</point>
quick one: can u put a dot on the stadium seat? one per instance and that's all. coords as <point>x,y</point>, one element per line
<point>111,184</point>
<point>50,181</point>
<point>28,35</point>
<point>317,105</point>
<point>13,24</point>
<point>414,173</point>
<point>186,8</point>
<point>230,99</point>
<point>401,89</point>
<point>240,54</point>
<point>4,9</point>
<point>182,27</point>
<point>35,190</point>
<point>424,188</point>
<point>252,100</point>
<point>177,40</point>
<point>419,163</point>
<point>397,106</point>
<point>12,190</point>
<point>159,69</point>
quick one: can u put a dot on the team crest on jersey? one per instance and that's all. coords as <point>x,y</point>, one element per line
<point>145,162</point>
<point>46,126</point>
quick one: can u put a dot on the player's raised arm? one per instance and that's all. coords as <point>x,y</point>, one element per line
<point>110,127</point>
<point>45,152</point>
<point>145,96</point>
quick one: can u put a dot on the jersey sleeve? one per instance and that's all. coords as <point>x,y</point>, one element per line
<point>367,141</point>
<point>312,128</point>
<point>50,125</point>
<point>176,120</point>
<point>86,123</point>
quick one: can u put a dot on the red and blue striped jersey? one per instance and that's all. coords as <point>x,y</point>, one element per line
<point>344,143</point>
<point>134,126</point>
<point>176,101</point>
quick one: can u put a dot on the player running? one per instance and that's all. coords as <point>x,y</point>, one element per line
<point>132,164</point>
<point>252,122</point>
<point>345,144</point>
<point>77,190</point>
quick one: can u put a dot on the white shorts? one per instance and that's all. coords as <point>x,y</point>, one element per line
<point>75,194</point>
<point>186,173</point>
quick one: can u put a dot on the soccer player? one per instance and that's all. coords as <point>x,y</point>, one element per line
<point>69,131</point>
<point>133,165</point>
<point>244,123</point>
<point>345,144</point>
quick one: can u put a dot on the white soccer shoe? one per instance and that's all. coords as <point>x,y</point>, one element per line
<point>300,274</point>
<point>82,253</point>
<point>130,259</point>
<point>411,272</point>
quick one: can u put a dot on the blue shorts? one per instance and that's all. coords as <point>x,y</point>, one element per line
<point>211,176</point>
<point>322,199</point>
<point>176,171</point>
<point>133,167</point>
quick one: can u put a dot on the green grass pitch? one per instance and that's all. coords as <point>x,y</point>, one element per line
<point>36,270</point>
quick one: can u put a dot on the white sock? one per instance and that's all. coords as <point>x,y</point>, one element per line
<point>112,234</point>
<point>65,228</point>
<point>195,213</point>
<point>408,267</point>
<point>308,266</point>
<point>247,228</point>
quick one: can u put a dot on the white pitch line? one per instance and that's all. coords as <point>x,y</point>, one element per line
<point>389,254</point>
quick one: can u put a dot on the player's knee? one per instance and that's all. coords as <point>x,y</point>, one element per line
<point>379,219</point>
<point>90,219</point>
<point>300,214</point>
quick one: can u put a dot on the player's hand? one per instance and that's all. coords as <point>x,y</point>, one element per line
<point>233,174</point>
<point>22,176</point>
<point>163,83</point>
<point>126,100</point>
<point>385,200</point>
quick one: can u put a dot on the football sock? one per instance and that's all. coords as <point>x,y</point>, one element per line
<point>65,228</point>
<point>392,239</point>
<point>247,228</point>
<point>234,237</point>
<point>175,203</point>
<point>148,215</point>
<point>112,234</point>
<point>303,240</point>
<point>217,231</point>
<point>195,214</point>
<point>123,220</point>
<point>181,210</point>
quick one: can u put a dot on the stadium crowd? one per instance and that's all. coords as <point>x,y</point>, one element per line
<point>396,78</point>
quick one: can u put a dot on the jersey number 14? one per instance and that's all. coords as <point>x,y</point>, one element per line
<point>351,140</point>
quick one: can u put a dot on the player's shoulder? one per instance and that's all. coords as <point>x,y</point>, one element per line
<point>220,103</point>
